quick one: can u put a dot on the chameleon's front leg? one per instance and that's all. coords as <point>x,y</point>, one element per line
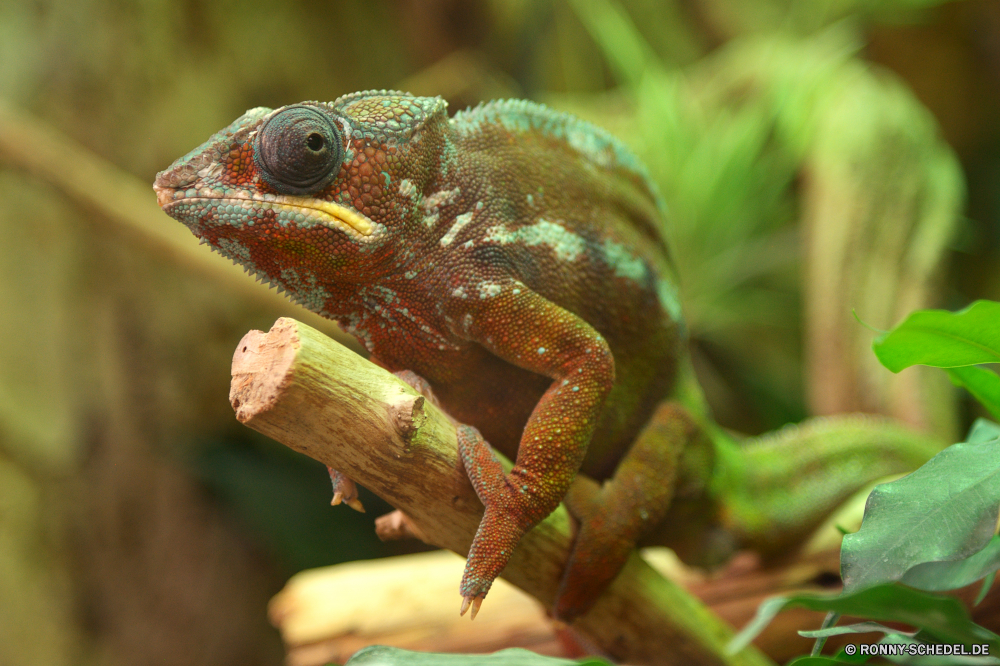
<point>529,331</point>
<point>344,490</point>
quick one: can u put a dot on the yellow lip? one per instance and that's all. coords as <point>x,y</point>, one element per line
<point>339,213</point>
<point>329,213</point>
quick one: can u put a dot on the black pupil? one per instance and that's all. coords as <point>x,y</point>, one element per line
<point>314,141</point>
<point>298,150</point>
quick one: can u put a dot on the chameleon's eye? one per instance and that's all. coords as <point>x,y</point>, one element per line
<point>298,150</point>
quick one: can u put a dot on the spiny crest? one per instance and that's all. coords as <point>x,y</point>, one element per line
<point>344,99</point>
<point>521,116</point>
<point>390,109</point>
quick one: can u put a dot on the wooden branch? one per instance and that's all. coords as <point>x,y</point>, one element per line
<point>326,615</point>
<point>317,397</point>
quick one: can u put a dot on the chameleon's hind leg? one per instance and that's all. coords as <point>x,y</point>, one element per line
<point>613,516</point>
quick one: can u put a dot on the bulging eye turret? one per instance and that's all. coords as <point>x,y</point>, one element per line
<point>298,150</point>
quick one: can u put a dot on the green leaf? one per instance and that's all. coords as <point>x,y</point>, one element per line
<point>612,28</point>
<point>943,339</point>
<point>983,430</point>
<point>930,660</point>
<point>818,661</point>
<point>852,658</point>
<point>855,658</point>
<point>766,612</point>
<point>983,384</point>
<point>943,618</point>
<point>858,628</point>
<point>381,655</point>
<point>937,576</point>
<point>830,620</point>
<point>987,584</point>
<point>946,510</point>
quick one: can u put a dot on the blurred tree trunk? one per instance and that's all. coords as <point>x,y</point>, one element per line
<point>880,200</point>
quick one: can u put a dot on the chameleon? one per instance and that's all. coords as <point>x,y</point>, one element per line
<point>513,261</point>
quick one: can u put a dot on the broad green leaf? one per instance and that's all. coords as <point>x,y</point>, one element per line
<point>943,618</point>
<point>381,655</point>
<point>852,658</point>
<point>946,510</point>
<point>983,430</point>
<point>983,384</point>
<point>937,576</point>
<point>943,339</point>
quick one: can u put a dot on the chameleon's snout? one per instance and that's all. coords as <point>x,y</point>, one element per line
<point>164,194</point>
<point>170,182</point>
<point>181,175</point>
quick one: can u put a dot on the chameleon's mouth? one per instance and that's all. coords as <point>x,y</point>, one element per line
<point>312,211</point>
<point>333,213</point>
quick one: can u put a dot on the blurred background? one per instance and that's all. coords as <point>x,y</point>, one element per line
<point>817,157</point>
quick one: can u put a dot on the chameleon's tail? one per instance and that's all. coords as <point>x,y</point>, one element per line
<point>776,489</point>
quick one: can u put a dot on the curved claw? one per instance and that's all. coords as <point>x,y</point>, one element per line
<point>507,517</point>
<point>474,602</point>
<point>353,502</point>
<point>344,490</point>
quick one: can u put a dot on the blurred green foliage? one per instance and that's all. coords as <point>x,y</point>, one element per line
<point>803,178</point>
<point>757,148</point>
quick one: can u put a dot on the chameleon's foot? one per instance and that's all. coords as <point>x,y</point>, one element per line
<point>344,490</point>
<point>474,603</point>
<point>507,517</point>
<point>496,538</point>
<point>397,525</point>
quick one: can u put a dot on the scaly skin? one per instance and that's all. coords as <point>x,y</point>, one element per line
<point>513,257</point>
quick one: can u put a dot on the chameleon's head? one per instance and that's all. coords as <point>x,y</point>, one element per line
<point>310,194</point>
